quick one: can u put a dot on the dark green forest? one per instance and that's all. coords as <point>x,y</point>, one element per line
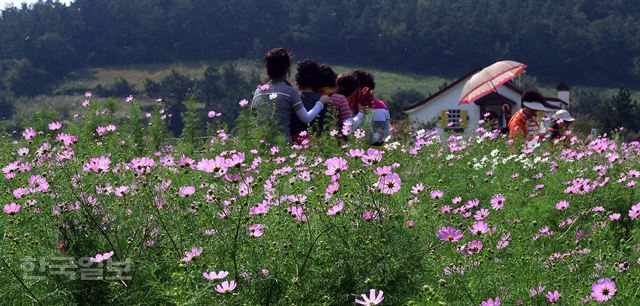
<point>589,42</point>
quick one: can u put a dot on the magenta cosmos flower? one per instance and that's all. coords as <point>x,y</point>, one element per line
<point>186,191</point>
<point>142,164</point>
<point>497,202</point>
<point>256,230</point>
<point>54,126</point>
<point>553,296</point>
<point>389,184</point>
<point>436,194</point>
<point>335,165</point>
<point>449,234</point>
<point>562,205</point>
<point>29,134</point>
<point>491,302</point>
<point>479,227</point>
<point>336,209</point>
<point>97,164</point>
<point>226,287</point>
<point>191,254</point>
<point>38,184</point>
<point>215,276</point>
<point>603,290</point>
<point>474,247</point>
<point>11,209</point>
<point>634,212</point>
<point>373,298</point>
<point>101,257</point>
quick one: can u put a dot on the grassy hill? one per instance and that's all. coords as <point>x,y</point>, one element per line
<point>388,82</point>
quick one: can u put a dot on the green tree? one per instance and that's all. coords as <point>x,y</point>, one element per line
<point>192,122</point>
<point>619,111</point>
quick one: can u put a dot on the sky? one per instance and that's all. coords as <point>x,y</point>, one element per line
<point>4,3</point>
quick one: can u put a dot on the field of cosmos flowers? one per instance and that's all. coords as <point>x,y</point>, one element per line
<point>99,211</point>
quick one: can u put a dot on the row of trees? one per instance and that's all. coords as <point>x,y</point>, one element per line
<point>576,40</point>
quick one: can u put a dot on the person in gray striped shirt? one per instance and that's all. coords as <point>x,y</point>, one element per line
<point>278,100</point>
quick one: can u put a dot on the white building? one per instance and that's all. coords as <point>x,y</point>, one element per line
<point>443,108</point>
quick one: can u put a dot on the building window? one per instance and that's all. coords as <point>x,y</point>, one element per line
<point>453,118</point>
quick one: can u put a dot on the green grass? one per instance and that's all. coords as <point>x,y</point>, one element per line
<point>387,82</point>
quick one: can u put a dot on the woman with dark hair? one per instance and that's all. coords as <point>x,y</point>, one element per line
<point>308,79</point>
<point>277,99</point>
<point>381,117</point>
<point>346,85</point>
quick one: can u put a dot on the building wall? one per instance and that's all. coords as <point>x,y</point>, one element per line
<point>450,100</point>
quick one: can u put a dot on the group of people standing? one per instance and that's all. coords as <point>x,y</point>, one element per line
<point>319,89</point>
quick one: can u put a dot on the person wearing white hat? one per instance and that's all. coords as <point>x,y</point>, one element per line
<point>524,122</point>
<point>561,124</point>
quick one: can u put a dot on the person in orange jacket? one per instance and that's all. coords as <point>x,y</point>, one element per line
<point>524,122</point>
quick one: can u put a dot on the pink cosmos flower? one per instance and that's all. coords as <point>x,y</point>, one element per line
<point>85,104</point>
<point>244,102</point>
<point>634,212</point>
<point>367,215</point>
<point>562,205</point>
<point>481,214</point>
<point>215,276</point>
<point>38,184</point>
<point>359,134</point>
<point>217,165</point>
<point>382,171</point>
<point>498,201</point>
<point>226,287</point>
<point>67,139</point>
<point>479,227</point>
<point>191,254</point>
<point>389,184</point>
<point>186,191</point>
<point>474,247</point>
<point>264,87</point>
<point>373,156</point>
<point>101,257</point>
<point>97,164</point>
<point>491,302</point>
<point>410,223</point>
<point>449,234</point>
<point>436,194</point>
<point>456,200</point>
<point>11,209</point>
<point>213,114</point>
<point>29,134</point>
<point>20,192</point>
<point>336,209</point>
<point>418,188</point>
<point>298,213</point>
<point>335,165</point>
<point>256,230</point>
<point>54,126</point>
<point>614,217</point>
<point>553,297</point>
<point>603,290</point>
<point>355,153</point>
<point>142,164</point>
<point>23,151</point>
<point>101,130</point>
<point>129,99</point>
<point>373,298</point>
<point>504,241</point>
